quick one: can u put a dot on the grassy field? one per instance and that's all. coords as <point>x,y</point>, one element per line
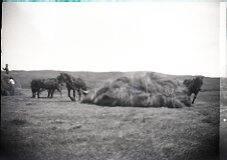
<point>52,129</point>
<point>223,125</point>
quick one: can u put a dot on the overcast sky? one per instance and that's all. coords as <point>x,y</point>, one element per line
<point>173,38</point>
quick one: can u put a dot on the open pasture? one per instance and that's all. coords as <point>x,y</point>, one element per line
<point>58,128</point>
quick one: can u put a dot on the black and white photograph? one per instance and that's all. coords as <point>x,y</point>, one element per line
<point>113,80</point>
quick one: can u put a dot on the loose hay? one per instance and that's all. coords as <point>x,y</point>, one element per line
<point>140,90</point>
<point>6,88</point>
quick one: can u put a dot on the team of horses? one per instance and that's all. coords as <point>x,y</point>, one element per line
<point>50,84</point>
<point>77,85</point>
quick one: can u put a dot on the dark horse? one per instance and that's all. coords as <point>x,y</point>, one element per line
<point>50,84</point>
<point>75,84</point>
<point>194,86</point>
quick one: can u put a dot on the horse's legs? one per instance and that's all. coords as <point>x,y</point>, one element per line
<point>73,99</point>
<point>33,93</point>
<point>52,93</point>
<point>194,98</point>
<point>60,92</point>
<point>49,93</point>
<point>69,93</point>
<point>74,94</point>
<point>38,93</point>
<point>79,93</point>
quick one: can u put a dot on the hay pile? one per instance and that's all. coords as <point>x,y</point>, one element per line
<point>6,88</point>
<point>140,90</point>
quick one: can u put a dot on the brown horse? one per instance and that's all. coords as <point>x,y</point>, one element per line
<point>194,86</point>
<point>74,84</point>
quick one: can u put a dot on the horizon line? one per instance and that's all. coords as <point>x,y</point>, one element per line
<point>117,72</point>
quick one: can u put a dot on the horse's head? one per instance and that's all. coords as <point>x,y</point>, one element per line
<point>199,78</point>
<point>82,85</point>
<point>198,82</point>
<point>187,82</point>
<point>62,78</point>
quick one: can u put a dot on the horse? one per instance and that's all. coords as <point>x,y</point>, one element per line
<point>50,84</point>
<point>74,84</point>
<point>194,86</point>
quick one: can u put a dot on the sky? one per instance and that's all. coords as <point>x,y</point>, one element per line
<point>172,38</point>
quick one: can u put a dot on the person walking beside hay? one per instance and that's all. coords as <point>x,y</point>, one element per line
<point>6,69</point>
<point>11,84</point>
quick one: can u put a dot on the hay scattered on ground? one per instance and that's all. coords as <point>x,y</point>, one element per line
<point>140,90</point>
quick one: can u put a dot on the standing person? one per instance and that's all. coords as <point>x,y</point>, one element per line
<point>11,84</point>
<point>6,69</point>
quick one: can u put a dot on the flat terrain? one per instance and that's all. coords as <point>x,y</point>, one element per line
<point>57,129</point>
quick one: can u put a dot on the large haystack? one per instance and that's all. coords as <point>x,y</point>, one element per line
<point>141,90</point>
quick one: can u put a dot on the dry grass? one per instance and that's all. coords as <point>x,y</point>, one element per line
<point>140,90</point>
<point>60,129</point>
